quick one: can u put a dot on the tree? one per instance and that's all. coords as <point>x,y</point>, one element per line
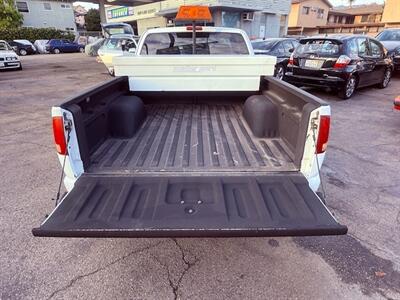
<point>9,15</point>
<point>92,20</point>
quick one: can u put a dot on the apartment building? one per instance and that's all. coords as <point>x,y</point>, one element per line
<point>43,14</point>
<point>306,15</point>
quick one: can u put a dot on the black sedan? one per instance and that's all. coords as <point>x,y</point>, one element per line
<point>340,62</point>
<point>22,47</point>
<point>390,38</point>
<point>282,48</point>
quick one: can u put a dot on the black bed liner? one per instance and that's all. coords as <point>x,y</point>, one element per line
<point>192,137</point>
<point>200,206</point>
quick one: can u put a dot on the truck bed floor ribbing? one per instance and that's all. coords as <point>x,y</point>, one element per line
<point>192,138</point>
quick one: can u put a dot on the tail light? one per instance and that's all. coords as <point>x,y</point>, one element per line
<point>59,135</point>
<point>397,103</point>
<point>342,62</point>
<point>323,134</point>
<point>291,60</point>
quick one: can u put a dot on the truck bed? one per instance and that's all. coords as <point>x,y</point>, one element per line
<point>192,138</point>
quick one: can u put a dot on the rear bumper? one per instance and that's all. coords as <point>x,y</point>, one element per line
<point>328,81</point>
<point>396,63</point>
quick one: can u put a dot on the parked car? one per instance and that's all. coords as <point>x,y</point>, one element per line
<point>41,46</point>
<point>397,103</point>
<point>390,38</point>
<point>93,48</point>
<point>22,47</point>
<point>113,47</point>
<point>65,46</point>
<point>340,62</point>
<point>8,58</point>
<point>282,48</point>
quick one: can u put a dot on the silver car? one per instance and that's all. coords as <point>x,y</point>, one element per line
<point>113,47</point>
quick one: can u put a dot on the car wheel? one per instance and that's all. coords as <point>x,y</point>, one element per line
<point>280,72</point>
<point>386,79</point>
<point>56,51</point>
<point>22,52</point>
<point>349,88</point>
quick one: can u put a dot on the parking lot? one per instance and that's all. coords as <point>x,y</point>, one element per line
<point>361,177</point>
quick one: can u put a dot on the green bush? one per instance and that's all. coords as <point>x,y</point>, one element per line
<point>33,34</point>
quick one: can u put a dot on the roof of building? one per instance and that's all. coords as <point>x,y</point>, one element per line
<point>356,10</point>
<point>300,1</point>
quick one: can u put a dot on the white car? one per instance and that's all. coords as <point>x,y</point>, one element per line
<point>8,58</point>
<point>112,47</point>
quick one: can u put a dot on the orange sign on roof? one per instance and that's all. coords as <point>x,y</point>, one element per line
<point>193,13</point>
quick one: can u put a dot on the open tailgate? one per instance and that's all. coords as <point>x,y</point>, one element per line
<point>203,206</point>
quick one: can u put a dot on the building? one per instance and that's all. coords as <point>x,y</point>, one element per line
<point>306,15</point>
<point>44,14</point>
<point>363,19</point>
<point>391,13</point>
<point>79,13</point>
<point>260,19</point>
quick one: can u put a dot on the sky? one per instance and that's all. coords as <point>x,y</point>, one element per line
<point>88,5</point>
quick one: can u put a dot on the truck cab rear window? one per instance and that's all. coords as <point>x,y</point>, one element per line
<point>319,47</point>
<point>207,43</point>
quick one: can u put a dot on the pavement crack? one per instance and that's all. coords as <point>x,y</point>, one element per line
<point>188,265</point>
<point>175,286</point>
<point>102,268</point>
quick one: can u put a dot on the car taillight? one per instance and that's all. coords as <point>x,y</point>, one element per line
<point>342,62</point>
<point>59,135</point>
<point>397,103</point>
<point>291,61</point>
<point>323,134</point>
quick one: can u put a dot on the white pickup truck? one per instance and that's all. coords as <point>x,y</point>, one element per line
<point>194,138</point>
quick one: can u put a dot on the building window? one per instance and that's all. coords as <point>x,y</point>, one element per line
<point>305,10</point>
<point>364,18</point>
<point>22,6</point>
<point>46,6</point>
<point>320,13</point>
<point>65,6</point>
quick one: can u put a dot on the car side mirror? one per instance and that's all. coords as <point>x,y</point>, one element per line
<point>291,50</point>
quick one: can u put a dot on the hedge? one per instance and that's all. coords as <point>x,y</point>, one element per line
<point>33,34</point>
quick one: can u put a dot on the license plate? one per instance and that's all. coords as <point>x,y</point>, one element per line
<point>313,63</point>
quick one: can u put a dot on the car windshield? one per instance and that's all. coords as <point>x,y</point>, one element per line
<point>116,43</point>
<point>318,47</point>
<point>4,46</point>
<point>263,45</point>
<point>207,43</point>
<point>389,35</point>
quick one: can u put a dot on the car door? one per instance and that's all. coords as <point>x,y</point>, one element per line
<point>279,52</point>
<point>366,63</point>
<point>377,56</point>
<point>67,46</point>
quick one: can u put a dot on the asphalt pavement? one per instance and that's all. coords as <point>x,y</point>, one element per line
<point>361,177</point>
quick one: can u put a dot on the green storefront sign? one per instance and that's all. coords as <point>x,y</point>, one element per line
<point>119,12</point>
